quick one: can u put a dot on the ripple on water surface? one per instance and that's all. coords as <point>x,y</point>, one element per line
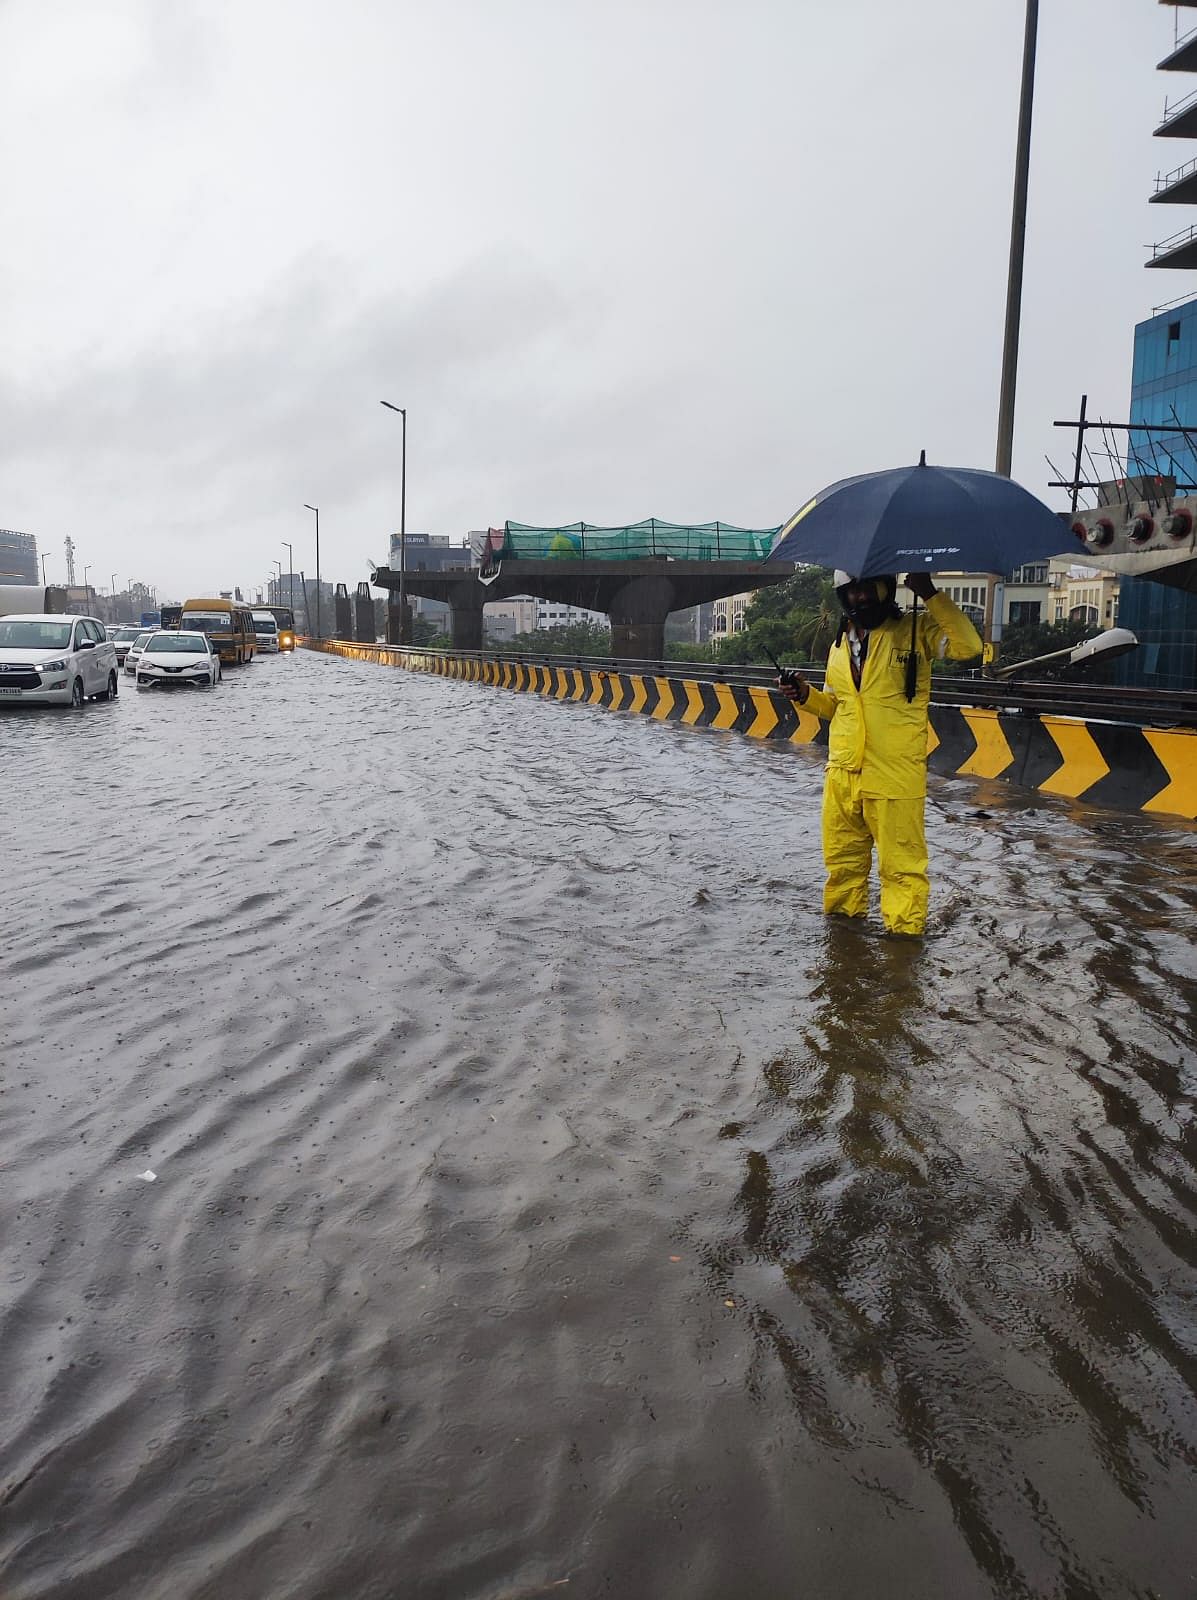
<point>545,1192</point>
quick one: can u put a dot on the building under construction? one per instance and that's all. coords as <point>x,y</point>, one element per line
<point>1144,525</point>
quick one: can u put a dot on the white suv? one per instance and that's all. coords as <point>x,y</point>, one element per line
<point>55,660</point>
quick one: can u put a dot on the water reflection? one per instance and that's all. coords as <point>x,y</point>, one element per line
<point>974,1269</point>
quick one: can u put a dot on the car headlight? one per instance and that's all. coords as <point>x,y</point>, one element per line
<point>53,666</point>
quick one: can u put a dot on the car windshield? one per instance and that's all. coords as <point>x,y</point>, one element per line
<point>264,627</point>
<point>140,642</point>
<point>191,644</point>
<point>209,623</point>
<point>34,635</point>
<point>126,635</point>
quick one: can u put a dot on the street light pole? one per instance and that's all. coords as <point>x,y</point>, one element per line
<point>290,578</point>
<point>316,509</point>
<point>402,525</point>
<point>43,572</point>
<point>1018,235</point>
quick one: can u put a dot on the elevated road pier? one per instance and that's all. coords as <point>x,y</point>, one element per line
<point>637,595</point>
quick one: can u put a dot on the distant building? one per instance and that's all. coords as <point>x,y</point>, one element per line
<point>727,615</point>
<point>1025,595</point>
<point>503,619</point>
<point>556,614</point>
<point>430,552</point>
<point>691,626</point>
<point>18,557</point>
<point>1083,594</point>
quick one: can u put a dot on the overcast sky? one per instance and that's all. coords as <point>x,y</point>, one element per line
<point>683,258</point>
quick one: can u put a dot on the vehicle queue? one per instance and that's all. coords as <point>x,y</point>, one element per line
<point>50,658</point>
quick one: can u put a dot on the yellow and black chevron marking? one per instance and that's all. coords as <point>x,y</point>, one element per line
<point>1103,763</point>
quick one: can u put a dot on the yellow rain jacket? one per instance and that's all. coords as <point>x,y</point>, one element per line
<point>877,764</point>
<point>875,730</point>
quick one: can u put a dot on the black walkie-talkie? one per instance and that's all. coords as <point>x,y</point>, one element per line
<point>784,673</point>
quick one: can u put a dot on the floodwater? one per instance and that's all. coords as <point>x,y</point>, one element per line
<point>547,1200</point>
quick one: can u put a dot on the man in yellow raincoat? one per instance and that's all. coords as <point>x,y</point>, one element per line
<point>877,689</point>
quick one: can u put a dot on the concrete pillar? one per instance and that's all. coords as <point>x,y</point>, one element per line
<point>344,610</point>
<point>363,615</point>
<point>465,625</point>
<point>393,617</point>
<point>638,614</point>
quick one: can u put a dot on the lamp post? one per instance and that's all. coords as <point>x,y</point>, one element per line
<point>402,525</point>
<point>115,613</point>
<point>86,570</point>
<point>1018,234</point>
<point>43,572</point>
<point>290,578</point>
<point>316,509</point>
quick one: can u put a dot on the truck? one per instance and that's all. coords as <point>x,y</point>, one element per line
<point>32,599</point>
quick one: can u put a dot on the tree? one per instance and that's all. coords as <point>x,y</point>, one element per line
<point>427,634</point>
<point>809,591</point>
<point>576,639</point>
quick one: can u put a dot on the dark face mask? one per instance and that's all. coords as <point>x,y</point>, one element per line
<point>872,611</point>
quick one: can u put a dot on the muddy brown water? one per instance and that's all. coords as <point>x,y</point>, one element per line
<point>547,1200</point>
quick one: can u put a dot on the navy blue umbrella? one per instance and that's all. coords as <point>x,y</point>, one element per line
<point>922,519</point>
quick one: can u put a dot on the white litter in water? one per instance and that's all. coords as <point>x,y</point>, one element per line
<point>147,1175</point>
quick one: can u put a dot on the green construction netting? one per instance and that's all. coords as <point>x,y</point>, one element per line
<point>705,541</point>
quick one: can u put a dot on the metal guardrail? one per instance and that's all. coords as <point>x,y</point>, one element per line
<point>1156,708</point>
<point>1165,246</point>
<point>1179,44</point>
<point>1167,179</point>
<point>1177,107</point>
<point>1180,300</point>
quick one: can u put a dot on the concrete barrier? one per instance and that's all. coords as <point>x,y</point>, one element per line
<point>1112,764</point>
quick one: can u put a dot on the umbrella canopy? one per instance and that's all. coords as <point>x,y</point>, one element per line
<point>922,519</point>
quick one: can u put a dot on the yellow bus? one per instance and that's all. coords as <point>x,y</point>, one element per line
<point>229,625</point>
<point>285,619</point>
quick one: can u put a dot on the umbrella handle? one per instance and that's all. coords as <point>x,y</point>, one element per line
<point>912,660</point>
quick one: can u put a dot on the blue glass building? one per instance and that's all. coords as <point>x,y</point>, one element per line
<point>1163,392</point>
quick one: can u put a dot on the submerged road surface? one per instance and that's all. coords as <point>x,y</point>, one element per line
<point>546,1201</point>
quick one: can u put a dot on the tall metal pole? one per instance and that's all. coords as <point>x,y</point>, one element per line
<point>403,639</point>
<point>1018,231</point>
<point>403,636</point>
<point>316,509</point>
<point>290,578</point>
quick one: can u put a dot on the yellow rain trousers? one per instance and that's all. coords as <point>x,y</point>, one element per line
<point>876,786</point>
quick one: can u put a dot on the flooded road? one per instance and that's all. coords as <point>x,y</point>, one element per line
<point>547,1201</point>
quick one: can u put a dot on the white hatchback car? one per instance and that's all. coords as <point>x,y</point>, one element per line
<point>134,651</point>
<point>55,660</point>
<point>170,660</point>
